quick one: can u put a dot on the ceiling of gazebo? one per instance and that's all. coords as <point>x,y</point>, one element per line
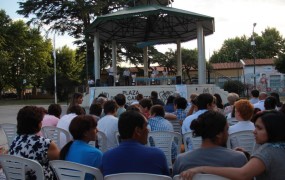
<point>151,23</point>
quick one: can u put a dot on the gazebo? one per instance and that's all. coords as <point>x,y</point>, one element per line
<point>150,25</point>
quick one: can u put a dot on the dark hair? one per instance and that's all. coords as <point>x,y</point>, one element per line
<point>77,128</point>
<point>120,99</point>
<point>203,100</point>
<point>78,110</point>
<point>255,93</point>
<point>102,95</point>
<point>276,95</point>
<point>158,110</point>
<point>146,103</point>
<point>74,100</point>
<point>219,101</point>
<point>208,125</point>
<point>170,99</point>
<point>270,103</point>
<point>95,109</point>
<point>274,122</point>
<point>180,102</point>
<point>110,106</point>
<point>139,97</point>
<point>133,108</point>
<point>282,109</point>
<point>28,120</point>
<point>54,109</point>
<point>128,121</point>
<point>154,95</point>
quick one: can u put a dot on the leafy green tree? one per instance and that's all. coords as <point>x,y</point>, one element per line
<point>234,86</point>
<point>280,63</point>
<point>69,68</point>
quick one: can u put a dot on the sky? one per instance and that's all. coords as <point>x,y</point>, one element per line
<point>233,18</point>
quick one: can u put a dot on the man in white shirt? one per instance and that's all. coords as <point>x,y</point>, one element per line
<point>205,102</point>
<point>260,103</point>
<point>110,75</point>
<point>126,75</point>
<point>109,123</point>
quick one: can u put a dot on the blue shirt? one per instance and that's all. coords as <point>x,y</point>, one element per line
<point>83,153</point>
<point>131,156</point>
<point>180,114</point>
<point>158,123</point>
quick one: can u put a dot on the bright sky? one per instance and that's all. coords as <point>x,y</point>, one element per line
<point>233,18</point>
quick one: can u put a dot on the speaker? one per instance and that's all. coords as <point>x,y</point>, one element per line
<point>178,80</point>
<point>97,83</point>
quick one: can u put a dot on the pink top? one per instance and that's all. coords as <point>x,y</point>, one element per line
<point>49,120</point>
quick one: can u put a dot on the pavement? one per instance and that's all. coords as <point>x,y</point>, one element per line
<point>8,114</point>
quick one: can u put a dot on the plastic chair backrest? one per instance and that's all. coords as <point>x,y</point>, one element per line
<point>66,170</point>
<point>163,140</point>
<point>203,177</point>
<point>176,125</point>
<point>54,133</point>
<point>10,131</point>
<point>102,141</point>
<point>15,167</point>
<point>243,139</point>
<point>136,176</point>
<point>195,141</point>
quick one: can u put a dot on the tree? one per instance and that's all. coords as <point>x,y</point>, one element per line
<point>69,68</point>
<point>280,63</point>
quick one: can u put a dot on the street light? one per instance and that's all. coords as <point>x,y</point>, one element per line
<point>54,65</point>
<point>243,66</point>
<point>253,54</point>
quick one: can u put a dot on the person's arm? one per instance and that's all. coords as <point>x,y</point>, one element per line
<point>170,116</point>
<point>191,110</point>
<point>53,151</point>
<point>253,168</point>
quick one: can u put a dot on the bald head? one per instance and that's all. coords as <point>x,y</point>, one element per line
<point>262,96</point>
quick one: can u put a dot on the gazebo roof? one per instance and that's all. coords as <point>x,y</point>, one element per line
<point>152,24</point>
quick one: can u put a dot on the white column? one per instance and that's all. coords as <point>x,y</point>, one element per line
<point>179,60</point>
<point>96,45</point>
<point>201,55</point>
<point>114,59</point>
<point>145,61</point>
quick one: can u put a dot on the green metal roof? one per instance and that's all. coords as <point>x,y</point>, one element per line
<point>151,23</point>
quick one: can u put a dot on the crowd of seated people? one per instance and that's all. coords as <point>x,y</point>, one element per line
<point>203,115</point>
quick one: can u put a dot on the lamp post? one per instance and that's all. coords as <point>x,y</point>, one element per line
<point>253,54</point>
<point>243,66</point>
<point>54,57</point>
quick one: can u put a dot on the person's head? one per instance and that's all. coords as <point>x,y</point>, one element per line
<point>205,101</point>
<point>102,95</point>
<point>100,100</point>
<point>232,98</point>
<point>54,109</point>
<point>243,109</point>
<point>145,104</point>
<point>77,98</point>
<point>180,103</point>
<point>95,109</point>
<point>211,125</point>
<point>270,103</point>
<point>110,107</point>
<point>255,93</point>
<point>157,110</point>
<point>133,125</point>
<point>262,96</point>
<point>76,109</point>
<point>154,95</point>
<point>193,96</point>
<point>120,99</point>
<point>276,95</point>
<point>219,101</point>
<point>29,120</point>
<point>139,97</point>
<point>83,127</point>
<point>134,107</point>
<point>269,127</point>
<point>170,99</point>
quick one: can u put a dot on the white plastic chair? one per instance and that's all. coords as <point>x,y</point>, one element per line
<point>203,177</point>
<point>243,139</point>
<point>10,131</point>
<point>54,133</point>
<point>195,141</point>
<point>118,138</point>
<point>66,170</point>
<point>15,167</point>
<point>136,176</point>
<point>163,140</point>
<point>176,125</point>
<point>102,141</point>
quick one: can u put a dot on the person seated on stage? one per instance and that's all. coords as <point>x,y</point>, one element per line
<point>126,75</point>
<point>267,160</point>
<point>29,145</point>
<point>110,75</point>
<point>212,126</point>
<point>83,129</point>
<point>132,155</point>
